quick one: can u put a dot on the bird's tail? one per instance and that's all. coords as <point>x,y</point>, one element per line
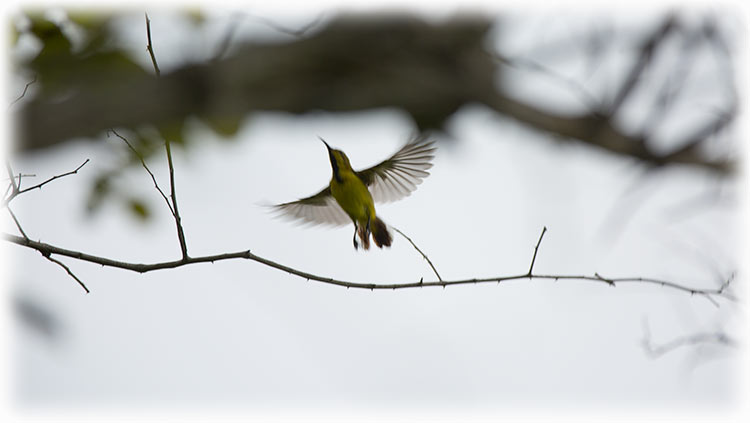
<point>380,234</point>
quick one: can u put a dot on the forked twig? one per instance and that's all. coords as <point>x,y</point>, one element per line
<point>16,188</point>
<point>143,163</point>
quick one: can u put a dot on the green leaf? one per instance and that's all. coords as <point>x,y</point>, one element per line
<point>226,126</point>
<point>99,191</point>
<point>173,131</point>
<point>139,209</point>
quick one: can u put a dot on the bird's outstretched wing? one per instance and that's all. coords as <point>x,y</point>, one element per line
<point>398,176</point>
<point>318,209</point>
<point>392,179</point>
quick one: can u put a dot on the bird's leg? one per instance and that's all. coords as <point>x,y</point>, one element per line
<point>354,239</point>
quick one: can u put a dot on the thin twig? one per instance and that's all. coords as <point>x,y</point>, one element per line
<point>12,179</point>
<point>18,224</point>
<point>284,30</point>
<point>143,163</point>
<point>420,252</point>
<point>226,40</point>
<point>536,249</point>
<point>173,193</point>
<point>23,94</point>
<point>247,255</point>
<point>521,63</point>
<point>17,189</point>
<point>22,175</point>
<point>72,172</point>
<point>177,218</point>
<point>150,47</point>
<point>70,272</point>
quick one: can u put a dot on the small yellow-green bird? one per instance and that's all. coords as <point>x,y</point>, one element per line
<point>351,195</point>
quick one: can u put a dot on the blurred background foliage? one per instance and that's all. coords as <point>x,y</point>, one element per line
<point>85,79</point>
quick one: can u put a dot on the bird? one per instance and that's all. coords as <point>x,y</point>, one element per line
<point>351,195</point>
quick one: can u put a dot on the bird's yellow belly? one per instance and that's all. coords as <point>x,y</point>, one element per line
<point>354,197</point>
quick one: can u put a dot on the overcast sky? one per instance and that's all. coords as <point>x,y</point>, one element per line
<point>244,337</point>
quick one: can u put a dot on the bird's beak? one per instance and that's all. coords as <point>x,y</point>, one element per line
<point>324,142</point>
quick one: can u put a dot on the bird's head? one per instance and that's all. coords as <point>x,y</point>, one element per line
<point>339,161</point>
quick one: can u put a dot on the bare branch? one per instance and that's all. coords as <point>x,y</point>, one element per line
<point>232,28</point>
<point>173,193</point>
<point>150,47</point>
<point>420,252</point>
<point>70,272</point>
<point>536,249</point>
<point>48,249</point>
<point>646,53</point>
<point>176,211</point>
<point>21,175</point>
<point>692,142</point>
<point>72,172</point>
<point>12,181</point>
<point>143,163</point>
<point>18,224</point>
<point>224,44</point>
<point>586,98</point>
<point>656,351</point>
<point>23,94</point>
<point>17,189</point>
<point>293,32</point>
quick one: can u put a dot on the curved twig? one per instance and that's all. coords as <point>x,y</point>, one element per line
<point>420,252</point>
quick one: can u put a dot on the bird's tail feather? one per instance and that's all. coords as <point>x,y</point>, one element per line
<point>380,234</point>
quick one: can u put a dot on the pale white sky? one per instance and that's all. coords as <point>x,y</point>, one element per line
<point>243,337</point>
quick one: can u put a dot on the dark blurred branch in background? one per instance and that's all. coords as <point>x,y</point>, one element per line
<point>429,70</point>
<point>704,338</point>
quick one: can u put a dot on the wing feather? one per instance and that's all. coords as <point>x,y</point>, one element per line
<point>318,209</point>
<point>398,176</point>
